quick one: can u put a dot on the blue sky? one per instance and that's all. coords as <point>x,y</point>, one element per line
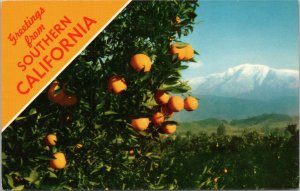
<point>237,32</point>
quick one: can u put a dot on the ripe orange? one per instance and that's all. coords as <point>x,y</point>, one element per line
<point>225,171</point>
<point>189,52</point>
<point>61,97</point>
<point>52,95</point>
<point>68,101</point>
<point>59,162</point>
<point>190,103</point>
<point>158,118</point>
<point>176,103</point>
<point>177,19</point>
<point>166,111</point>
<point>140,124</point>
<point>161,97</point>
<point>78,146</point>
<point>131,152</point>
<point>51,140</point>
<point>141,62</point>
<point>184,51</point>
<point>116,84</point>
<point>169,127</point>
<point>177,49</point>
<point>216,179</point>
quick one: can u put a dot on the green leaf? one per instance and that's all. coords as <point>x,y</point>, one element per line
<point>4,156</point>
<point>177,89</point>
<point>110,113</point>
<point>145,77</point>
<point>33,176</point>
<point>20,118</point>
<point>67,187</point>
<point>32,111</point>
<point>28,179</point>
<point>93,183</point>
<point>20,187</point>
<point>196,52</point>
<point>37,183</point>
<point>52,175</point>
<point>148,154</point>
<point>183,67</point>
<point>44,157</point>
<point>150,103</point>
<point>54,150</point>
<point>108,168</point>
<point>10,181</point>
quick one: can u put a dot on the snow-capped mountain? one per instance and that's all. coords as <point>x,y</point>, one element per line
<point>251,81</point>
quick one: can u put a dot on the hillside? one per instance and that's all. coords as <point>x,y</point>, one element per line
<point>264,123</point>
<point>235,108</point>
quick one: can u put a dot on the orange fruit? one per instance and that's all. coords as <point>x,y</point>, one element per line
<point>141,62</point>
<point>78,146</point>
<point>51,140</point>
<point>166,111</point>
<point>59,162</point>
<point>52,95</point>
<point>140,124</point>
<point>68,101</point>
<point>161,97</point>
<point>225,171</point>
<point>189,52</point>
<point>169,127</point>
<point>177,19</point>
<point>116,84</point>
<point>61,97</point>
<point>176,103</point>
<point>190,103</point>
<point>158,118</point>
<point>178,49</point>
<point>184,51</point>
<point>216,179</point>
<point>131,152</point>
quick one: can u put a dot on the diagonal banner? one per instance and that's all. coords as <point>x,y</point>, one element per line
<point>39,40</point>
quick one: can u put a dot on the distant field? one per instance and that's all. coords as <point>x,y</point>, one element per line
<point>266,123</point>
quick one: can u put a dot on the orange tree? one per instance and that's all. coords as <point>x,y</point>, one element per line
<point>89,125</point>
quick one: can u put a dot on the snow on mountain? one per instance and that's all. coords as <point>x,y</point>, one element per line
<point>249,81</point>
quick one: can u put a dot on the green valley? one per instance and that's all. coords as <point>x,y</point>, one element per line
<point>265,123</point>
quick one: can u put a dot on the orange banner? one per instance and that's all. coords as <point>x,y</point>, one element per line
<point>39,40</point>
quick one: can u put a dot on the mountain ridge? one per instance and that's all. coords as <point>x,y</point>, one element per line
<point>228,108</point>
<point>252,81</point>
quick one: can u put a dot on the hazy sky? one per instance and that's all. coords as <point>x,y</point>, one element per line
<point>237,32</point>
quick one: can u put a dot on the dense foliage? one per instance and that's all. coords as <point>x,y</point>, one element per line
<point>248,161</point>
